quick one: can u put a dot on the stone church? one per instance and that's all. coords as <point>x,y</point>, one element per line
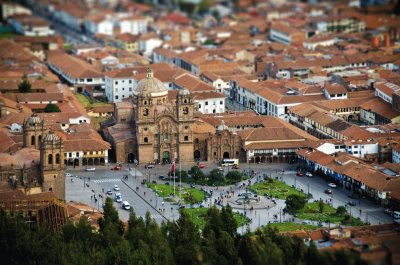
<point>159,125</point>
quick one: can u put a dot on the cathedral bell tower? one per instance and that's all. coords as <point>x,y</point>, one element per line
<point>33,131</point>
<point>52,165</point>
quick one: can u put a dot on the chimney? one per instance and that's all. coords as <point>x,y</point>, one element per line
<point>387,40</point>
<point>375,41</point>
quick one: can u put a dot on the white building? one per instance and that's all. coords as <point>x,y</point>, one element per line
<point>335,91</point>
<point>210,102</point>
<point>385,90</point>
<point>10,9</point>
<point>134,25</point>
<point>99,24</point>
<point>147,43</point>
<point>221,85</point>
<point>119,84</point>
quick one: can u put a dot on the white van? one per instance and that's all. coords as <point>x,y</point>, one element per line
<point>126,205</point>
<point>396,215</point>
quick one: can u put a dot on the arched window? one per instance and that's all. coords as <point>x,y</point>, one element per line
<point>145,139</point>
<point>145,112</point>
<point>165,136</point>
<point>196,141</point>
<point>186,138</point>
<point>185,110</point>
<point>57,158</point>
<point>185,101</point>
<point>145,102</point>
<point>33,140</point>
<point>50,159</point>
<point>39,139</point>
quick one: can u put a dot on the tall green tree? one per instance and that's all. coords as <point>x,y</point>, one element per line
<point>51,108</point>
<point>25,86</point>
<point>321,206</point>
<point>295,202</point>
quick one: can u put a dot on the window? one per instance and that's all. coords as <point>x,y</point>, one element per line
<point>186,138</point>
<point>185,110</point>
<point>69,154</point>
<point>145,112</point>
<point>123,89</point>
<point>196,140</point>
<point>50,159</point>
<point>165,136</point>
<point>145,139</point>
<point>116,82</point>
<point>57,158</point>
<point>130,89</point>
<point>89,80</point>
<point>199,106</point>
<point>130,81</point>
<point>186,127</point>
<point>221,102</point>
<point>145,129</point>
<point>206,103</point>
<point>116,97</point>
<point>85,153</point>
<point>32,140</point>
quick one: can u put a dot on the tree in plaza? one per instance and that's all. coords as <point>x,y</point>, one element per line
<point>228,220</point>
<point>51,108</point>
<point>25,86</point>
<point>111,227</point>
<point>295,202</point>
<point>197,173</point>
<point>341,210</point>
<point>234,176</point>
<point>321,206</point>
<point>215,175</point>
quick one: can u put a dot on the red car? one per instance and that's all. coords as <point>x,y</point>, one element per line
<point>202,166</point>
<point>300,174</point>
<point>116,168</point>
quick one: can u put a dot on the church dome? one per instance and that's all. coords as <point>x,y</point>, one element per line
<point>151,86</point>
<point>34,119</point>
<point>222,126</point>
<point>51,136</point>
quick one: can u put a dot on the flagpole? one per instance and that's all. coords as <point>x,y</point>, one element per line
<point>180,180</point>
<point>174,178</point>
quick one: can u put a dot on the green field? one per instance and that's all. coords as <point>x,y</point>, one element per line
<point>189,195</point>
<point>275,188</point>
<point>286,227</point>
<point>88,102</point>
<point>311,212</point>
<point>197,215</point>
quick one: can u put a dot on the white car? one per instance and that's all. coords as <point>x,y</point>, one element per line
<point>118,197</point>
<point>116,187</point>
<point>308,174</point>
<point>126,205</point>
<point>90,169</point>
<point>332,185</point>
<point>68,175</point>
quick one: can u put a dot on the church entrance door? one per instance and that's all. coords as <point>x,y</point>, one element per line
<point>166,157</point>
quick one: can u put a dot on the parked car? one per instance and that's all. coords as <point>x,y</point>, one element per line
<point>299,174</point>
<point>308,174</point>
<point>388,211</point>
<point>109,192</point>
<point>116,187</point>
<point>90,169</point>
<point>332,185</point>
<point>154,182</point>
<point>126,205</point>
<point>352,203</point>
<point>116,168</point>
<point>202,165</point>
<point>328,191</point>
<point>118,197</point>
<point>149,166</point>
<point>161,177</point>
<point>68,175</point>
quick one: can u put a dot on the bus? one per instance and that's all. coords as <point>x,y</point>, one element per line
<point>230,162</point>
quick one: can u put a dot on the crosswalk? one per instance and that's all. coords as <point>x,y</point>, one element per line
<point>106,180</point>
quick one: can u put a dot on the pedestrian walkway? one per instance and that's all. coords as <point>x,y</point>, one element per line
<point>106,180</point>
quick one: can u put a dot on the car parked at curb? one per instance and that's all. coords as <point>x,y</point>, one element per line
<point>332,185</point>
<point>90,169</point>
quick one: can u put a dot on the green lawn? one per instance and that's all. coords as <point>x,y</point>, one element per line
<point>275,188</point>
<point>97,120</point>
<point>189,195</point>
<point>311,212</point>
<point>286,227</point>
<point>88,102</point>
<point>198,214</point>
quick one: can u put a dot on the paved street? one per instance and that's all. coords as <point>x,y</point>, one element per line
<point>143,199</point>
